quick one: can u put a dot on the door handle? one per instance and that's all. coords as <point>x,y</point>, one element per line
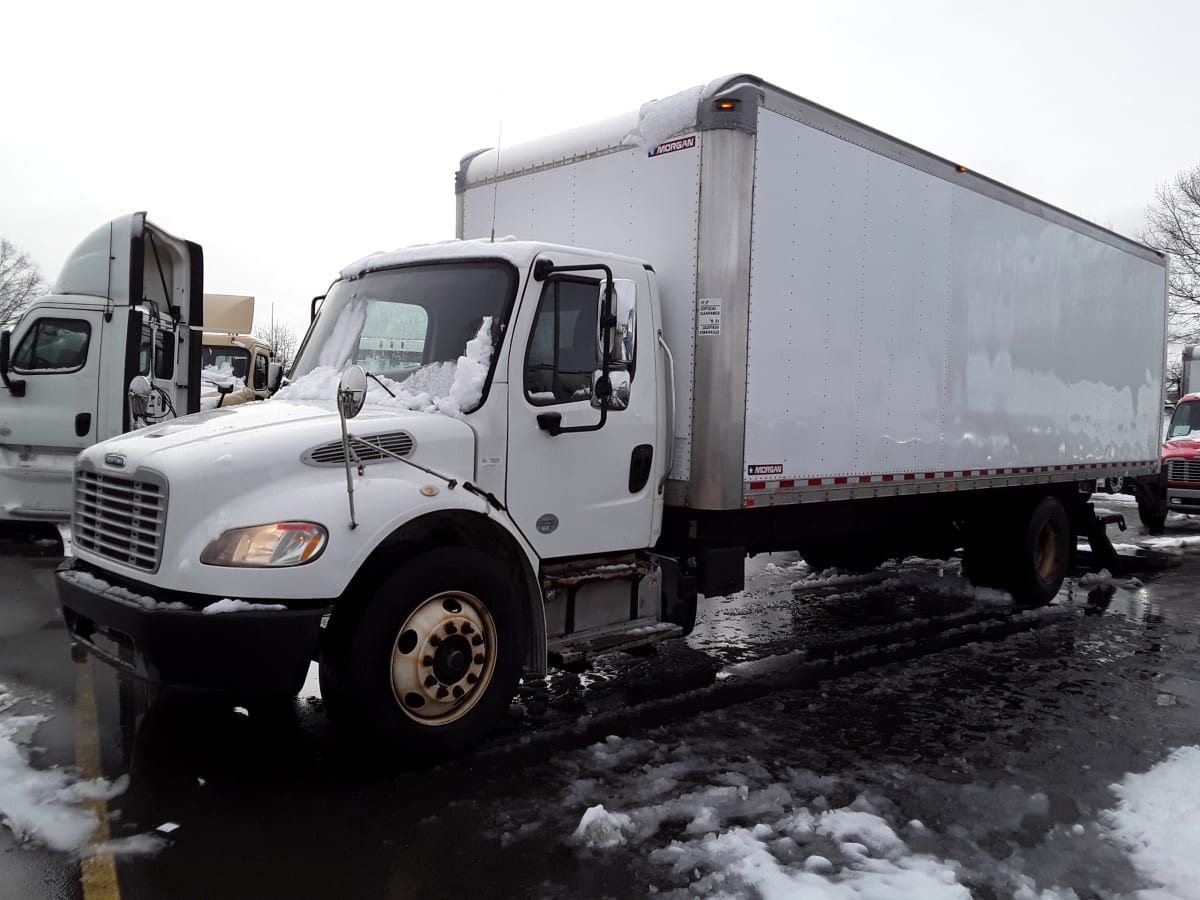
<point>639,467</point>
<point>83,424</point>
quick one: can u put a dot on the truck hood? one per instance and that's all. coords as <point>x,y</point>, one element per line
<point>262,438</point>
<point>1181,448</point>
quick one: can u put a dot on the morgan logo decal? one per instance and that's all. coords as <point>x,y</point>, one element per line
<point>683,143</point>
<point>773,469</point>
<point>116,460</point>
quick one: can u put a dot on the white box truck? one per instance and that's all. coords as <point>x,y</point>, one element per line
<point>122,307</point>
<point>739,322</point>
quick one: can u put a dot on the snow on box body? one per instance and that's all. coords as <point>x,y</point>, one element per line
<point>846,308</point>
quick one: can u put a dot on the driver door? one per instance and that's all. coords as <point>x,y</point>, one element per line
<point>585,492</point>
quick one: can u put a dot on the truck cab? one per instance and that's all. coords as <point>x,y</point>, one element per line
<point>1181,456</point>
<point>121,307</point>
<point>503,469</point>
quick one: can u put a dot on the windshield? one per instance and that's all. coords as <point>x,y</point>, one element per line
<point>410,327</point>
<point>233,361</point>
<point>1185,421</point>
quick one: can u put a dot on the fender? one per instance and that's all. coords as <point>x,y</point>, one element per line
<point>484,530</point>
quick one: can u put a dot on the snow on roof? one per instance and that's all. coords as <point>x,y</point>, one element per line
<point>519,253</point>
<point>648,127</point>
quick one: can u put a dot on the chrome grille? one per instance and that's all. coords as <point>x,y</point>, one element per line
<point>1183,470</point>
<point>121,517</point>
<point>400,443</point>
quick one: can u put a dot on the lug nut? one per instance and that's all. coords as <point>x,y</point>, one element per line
<point>458,692</point>
<point>479,659</point>
<point>427,661</point>
<point>472,678</point>
<point>477,641</point>
<point>430,681</point>
<point>450,629</point>
<point>467,629</point>
<point>435,641</point>
<point>442,693</point>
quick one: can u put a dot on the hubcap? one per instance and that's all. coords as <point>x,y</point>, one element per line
<point>443,658</point>
<point>1047,550</point>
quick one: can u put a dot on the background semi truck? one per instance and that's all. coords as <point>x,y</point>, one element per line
<point>123,305</point>
<point>235,366</point>
<point>742,323</point>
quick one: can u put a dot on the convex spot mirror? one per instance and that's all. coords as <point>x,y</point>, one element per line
<point>622,339</point>
<point>617,389</point>
<point>352,391</point>
<point>139,396</point>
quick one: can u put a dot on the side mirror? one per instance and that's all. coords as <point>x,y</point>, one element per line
<point>616,389</point>
<point>621,339</point>
<point>15,387</point>
<point>274,376</point>
<point>139,396</point>
<point>352,391</point>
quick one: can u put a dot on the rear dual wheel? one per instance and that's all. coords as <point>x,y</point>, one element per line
<point>431,663</point>
<point>1023,551</point>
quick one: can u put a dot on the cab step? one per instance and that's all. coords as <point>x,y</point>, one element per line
<point>572,649</point>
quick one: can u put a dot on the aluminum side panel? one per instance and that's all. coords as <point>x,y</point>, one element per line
<point>723,288</point>
<point>901,323</point>
<point>618,202</point>
<point>1056,340</point>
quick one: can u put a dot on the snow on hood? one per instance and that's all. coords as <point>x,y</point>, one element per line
<point>448,388</point>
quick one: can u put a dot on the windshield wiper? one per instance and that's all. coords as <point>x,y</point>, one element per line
<point>380,383</point>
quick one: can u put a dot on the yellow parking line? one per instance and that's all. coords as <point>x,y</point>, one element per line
<point>99,871</point>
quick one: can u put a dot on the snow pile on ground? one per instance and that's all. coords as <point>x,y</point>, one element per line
<point>1158,822</point>
<point>43,807</point>
<point>1106,578</point>
<point>727,827</point>
<point>445,387</point>
<point>944,581</point>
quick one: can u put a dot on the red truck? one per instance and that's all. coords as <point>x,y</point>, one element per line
<point>1181,466</point>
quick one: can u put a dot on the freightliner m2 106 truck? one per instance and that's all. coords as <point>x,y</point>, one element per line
<point>737,322</point>
<point>122,306</point>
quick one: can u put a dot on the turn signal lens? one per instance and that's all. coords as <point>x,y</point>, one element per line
<point>264,546</point>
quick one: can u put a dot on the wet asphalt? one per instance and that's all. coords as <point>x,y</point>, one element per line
<point>901,683</point>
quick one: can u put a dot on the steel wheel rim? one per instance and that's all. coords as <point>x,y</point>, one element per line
<point>443,658</point>
<point>1046,553</point>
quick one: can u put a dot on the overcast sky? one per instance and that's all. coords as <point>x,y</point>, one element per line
<point>290,139</point>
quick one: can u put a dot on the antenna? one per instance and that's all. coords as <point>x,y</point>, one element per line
<point>496,175</point>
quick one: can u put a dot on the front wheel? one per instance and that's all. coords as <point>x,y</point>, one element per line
<point>433,660</point>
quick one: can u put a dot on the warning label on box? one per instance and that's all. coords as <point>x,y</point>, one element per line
<point>708,318</point>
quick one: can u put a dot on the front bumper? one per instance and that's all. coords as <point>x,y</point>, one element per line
<point>1183,499</point>
<point>248,653</point>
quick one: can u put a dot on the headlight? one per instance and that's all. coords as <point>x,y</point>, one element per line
<point>277,544</point>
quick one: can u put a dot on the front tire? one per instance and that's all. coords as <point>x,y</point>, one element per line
<point>432,661</point>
